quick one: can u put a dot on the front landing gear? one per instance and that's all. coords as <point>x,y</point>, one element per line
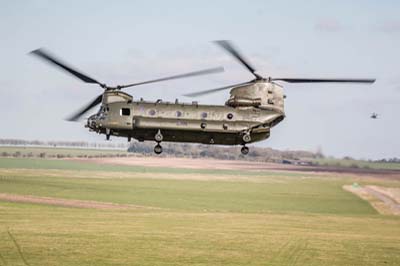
<point>158,138</point>
<point>158,149</point>
<point>108,133</point>
<point>245,150</point>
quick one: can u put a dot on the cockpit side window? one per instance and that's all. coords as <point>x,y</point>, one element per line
<point>125,112</point>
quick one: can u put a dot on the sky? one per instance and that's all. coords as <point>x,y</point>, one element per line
<point>121,42</point>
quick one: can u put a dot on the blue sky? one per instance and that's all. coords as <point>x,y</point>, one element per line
<point>129,41</point>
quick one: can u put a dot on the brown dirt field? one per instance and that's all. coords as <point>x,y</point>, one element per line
<point>381,198</point>
<point>188,163</point>
<point>68,202</point>
<point>381,173</point>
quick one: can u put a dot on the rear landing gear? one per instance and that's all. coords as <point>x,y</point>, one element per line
<point>158,137</point>
<point>245,150</point>
<point>246,137</point>
<point>158,149</point>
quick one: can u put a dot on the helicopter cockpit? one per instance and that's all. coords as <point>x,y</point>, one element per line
<point>116,96</point>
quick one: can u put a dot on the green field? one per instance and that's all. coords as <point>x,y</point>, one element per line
<point>187,218</point>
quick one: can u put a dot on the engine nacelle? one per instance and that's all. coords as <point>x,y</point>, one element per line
<point>261,94</point>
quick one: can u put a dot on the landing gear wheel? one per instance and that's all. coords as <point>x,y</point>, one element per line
<point>247,137</point>
<point>158,149</point>
<point>158,137</point>
<point>245,150</point>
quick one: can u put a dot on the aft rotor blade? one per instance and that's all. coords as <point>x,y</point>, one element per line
<point>43,54</point>
<point>308,80</point>
<point>186,75</point>
<point>234,52</point>
<point>86,108</point>
<point>200,93</point>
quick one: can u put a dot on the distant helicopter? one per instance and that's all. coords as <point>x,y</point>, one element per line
<point>374,116</point>
<point>253,108</point>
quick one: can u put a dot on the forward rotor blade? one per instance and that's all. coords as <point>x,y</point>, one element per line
<point>306,80</point>
<point>234,52</point>
<point>86,108</point>
<point>43,54</point>
<point>186,75</point>
<point>200,93</point>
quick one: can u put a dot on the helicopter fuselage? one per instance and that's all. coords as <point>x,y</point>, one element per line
<point>242,120</point>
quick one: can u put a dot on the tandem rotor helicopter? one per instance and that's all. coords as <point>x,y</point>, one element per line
<point>253,108</point>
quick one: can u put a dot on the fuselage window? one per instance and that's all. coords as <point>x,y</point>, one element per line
<point>152,112</point>
<point>229,116</point>
<point>125,111</point>
<point>204,115</point>
<point>178,113</point>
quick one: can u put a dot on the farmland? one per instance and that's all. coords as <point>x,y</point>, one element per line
<point>180,216</point>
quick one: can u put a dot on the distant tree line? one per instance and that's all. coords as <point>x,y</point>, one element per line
<point>389,160</point>
<point>61,155</point>
<point>222,152</point>
<point>169,149</point>
<point>72,144</point>
<point>187,150</point>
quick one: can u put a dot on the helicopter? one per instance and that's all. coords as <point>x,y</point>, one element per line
<point>253,108</point>
<point>374,116</point>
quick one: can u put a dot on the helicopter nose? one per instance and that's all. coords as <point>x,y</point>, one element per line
<point>91,122</point>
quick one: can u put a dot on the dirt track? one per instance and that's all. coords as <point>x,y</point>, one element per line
<point>171,162</point>
<point>67,202</point>
<point>384,200</point>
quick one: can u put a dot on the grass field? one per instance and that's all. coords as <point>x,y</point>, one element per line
<point>185,217</point>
